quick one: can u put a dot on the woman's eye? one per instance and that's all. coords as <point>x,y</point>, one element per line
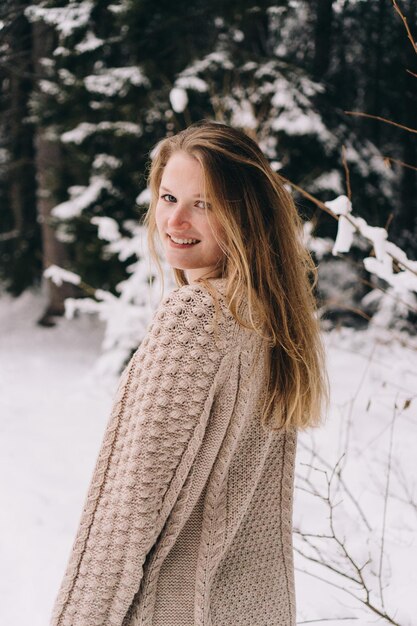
<point>167,197</point>
<point>204,205</point>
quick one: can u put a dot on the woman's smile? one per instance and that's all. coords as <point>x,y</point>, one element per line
<point>180,246</point>
<point>182,211</point>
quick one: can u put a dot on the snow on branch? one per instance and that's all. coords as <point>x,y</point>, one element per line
<point>108,228</point>
<point>78,134</point>
<point>386,252</point>
<point>179,99</point>
<point>115,80</point>
<point>82,198</point>
<point>127,313</point>
<point>64,19</point>
<point>89,43</point>
<point>58,275</point>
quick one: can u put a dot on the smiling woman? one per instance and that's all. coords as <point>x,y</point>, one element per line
<point>183,217</point>
<point>188,518</point>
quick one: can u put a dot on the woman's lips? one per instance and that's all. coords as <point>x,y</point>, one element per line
<point>181,245</point>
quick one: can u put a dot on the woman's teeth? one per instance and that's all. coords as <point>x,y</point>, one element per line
<point>182,241</point>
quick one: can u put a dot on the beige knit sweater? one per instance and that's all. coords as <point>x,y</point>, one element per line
<point>188,517</point>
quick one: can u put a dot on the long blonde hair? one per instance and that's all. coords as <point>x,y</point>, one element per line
<point>265,263</point>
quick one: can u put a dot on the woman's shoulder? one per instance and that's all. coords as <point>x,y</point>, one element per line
<point>197,311</point>
<point>196,295</point>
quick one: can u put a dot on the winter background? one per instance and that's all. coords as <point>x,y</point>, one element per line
<point>329,91</point>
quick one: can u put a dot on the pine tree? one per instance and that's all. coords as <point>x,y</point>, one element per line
<point>20,258</point>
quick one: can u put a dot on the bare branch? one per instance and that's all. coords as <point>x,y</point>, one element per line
<point>392,160</point>
<point>407,28</point>
<point>381,119</point>
<point>384,518</point>
<point>347,491</point>
<point>347,174</point>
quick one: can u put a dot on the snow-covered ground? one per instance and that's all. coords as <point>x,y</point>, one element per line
<point>54,409</point>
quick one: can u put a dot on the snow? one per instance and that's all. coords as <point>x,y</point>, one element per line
<point>367,160</point>
<point>211,61</point>
<point>243,115</point>
<point>89,43</point>
<point>144,197</point>
<point>48,87</point>
<point>179,99</point>
<point>61,51</point>
<point>276,165</point>
<point>116,80</point>
<point>78,134</point>
<point>4,156</point>
<point>53,410</point>
<point>108,228</point>
<point>127,314</point>
<point>58,275</point>
<point>66,77</point>
<point>329,180</point>
<point>85,129</point>
<point>403,281</point>
<point>341,205</point>
<point>106,161</point>
<point>238,35</point>
<point>51,433</point>
<point>66,19</point>
<point>82,198</point>
<point>319,245</point>
<point>297,122</point>
<point>118,8</point>
<point>371,381</point>
<point>191,82</point>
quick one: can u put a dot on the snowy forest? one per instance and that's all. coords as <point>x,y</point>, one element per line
<point>329,90</point>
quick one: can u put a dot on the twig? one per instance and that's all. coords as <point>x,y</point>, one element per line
<point>332,584</point>
<point>338,569</point>
<point>347,174</point>
<point>407,28</point>
<point>325,619</point>
<point>322,206</point>
<point>360,385</point>
<point>347,491</point>
<point>329,304</point>
<point>392,160</point>
<point>307,195</point>
<point>384,518</point>
<point>381,119</point>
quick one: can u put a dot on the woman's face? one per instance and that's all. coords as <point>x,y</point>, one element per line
<point>182,212</point>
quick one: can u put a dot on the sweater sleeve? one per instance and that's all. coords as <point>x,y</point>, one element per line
<point>156,426</point>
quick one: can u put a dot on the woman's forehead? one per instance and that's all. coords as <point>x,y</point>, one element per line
<point>183,171</point>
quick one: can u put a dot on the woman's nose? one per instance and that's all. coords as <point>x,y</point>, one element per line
<point>179,215</point>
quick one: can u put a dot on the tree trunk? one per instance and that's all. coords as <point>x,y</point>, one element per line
<point>20,232</point>
<point>322,37</point>
<point>377,108</point>
<point>48,161</point>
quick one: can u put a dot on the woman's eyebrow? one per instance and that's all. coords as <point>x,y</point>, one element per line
<point>196,195</point>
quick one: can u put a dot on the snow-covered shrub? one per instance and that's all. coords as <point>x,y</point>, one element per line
<point>127,315</point>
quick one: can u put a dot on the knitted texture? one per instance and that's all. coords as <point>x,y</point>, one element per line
<point>188,516</point>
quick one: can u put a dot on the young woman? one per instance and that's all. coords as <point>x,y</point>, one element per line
<point>188,518</point>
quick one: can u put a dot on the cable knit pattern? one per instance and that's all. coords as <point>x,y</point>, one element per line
<point>186,469</point>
